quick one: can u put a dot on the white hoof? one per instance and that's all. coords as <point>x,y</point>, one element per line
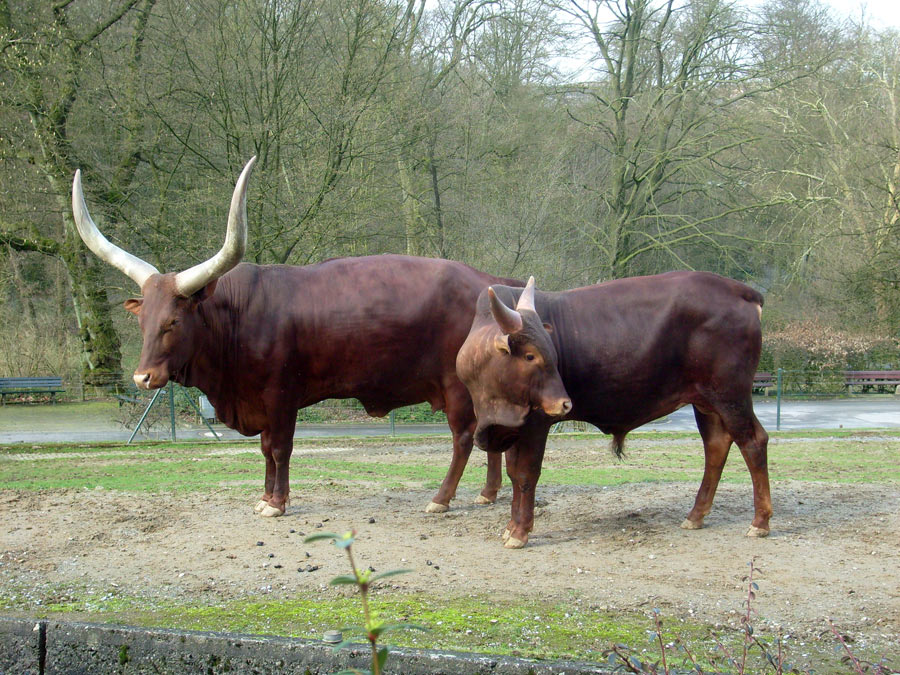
<point>512,542</point>
<point>260,505</point>
<point>691,525</point>
<point>757,532</point>
<point>434,507</point>
<point>271,512</point>
<point>481,500</point>
<point>505,534</point>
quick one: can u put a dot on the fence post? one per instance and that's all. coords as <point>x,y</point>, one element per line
<point>778,399</point>
<point>392,422</point>
<point>172,407</point>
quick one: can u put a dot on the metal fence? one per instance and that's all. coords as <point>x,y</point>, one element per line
<point>824,383</point>
<point>162,408</point>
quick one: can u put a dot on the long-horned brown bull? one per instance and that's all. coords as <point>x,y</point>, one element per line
<point>263,341</point>
<point>617,355</point>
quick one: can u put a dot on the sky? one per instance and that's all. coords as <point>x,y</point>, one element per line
<point>881,13</point>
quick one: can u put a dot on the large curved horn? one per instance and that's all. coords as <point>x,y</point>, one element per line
<point>509,320</point>
<point>132,266</point>
<point>526,300</point>
<point>192,280</point>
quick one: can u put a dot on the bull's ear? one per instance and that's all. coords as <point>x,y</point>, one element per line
<point>206,291</point>
<point>133,305</point>
<point>501,342</point>
<point>548,328</point>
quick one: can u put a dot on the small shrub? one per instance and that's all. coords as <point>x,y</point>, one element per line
<point>772,655</point>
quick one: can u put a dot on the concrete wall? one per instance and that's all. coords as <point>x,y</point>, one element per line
<point>29,647</point>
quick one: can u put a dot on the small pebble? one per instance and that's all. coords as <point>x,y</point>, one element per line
<point>259,543</point>
<point>371,520</point>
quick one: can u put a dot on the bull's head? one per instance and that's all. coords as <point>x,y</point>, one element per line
<point>167,312</point>
<point>509,364</point>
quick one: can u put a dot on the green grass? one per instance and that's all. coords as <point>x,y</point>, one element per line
<point>196,467</point>
<point>523,628</point>
<point>60,416</point>
<point>475,624</point>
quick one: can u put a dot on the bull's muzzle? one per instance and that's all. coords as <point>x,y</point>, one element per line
<point>558,408</point>
<point>142,380</point>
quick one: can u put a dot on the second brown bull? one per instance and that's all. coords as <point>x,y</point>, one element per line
<point>617,355</point>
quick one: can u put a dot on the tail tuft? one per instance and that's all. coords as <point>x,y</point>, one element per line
<point>617,445</point>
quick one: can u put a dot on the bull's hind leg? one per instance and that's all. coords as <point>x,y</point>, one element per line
<point>753,441</point>
<point>716,444</point>
<point>740,424</point>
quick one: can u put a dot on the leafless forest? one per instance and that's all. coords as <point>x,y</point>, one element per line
<point>763,144</point>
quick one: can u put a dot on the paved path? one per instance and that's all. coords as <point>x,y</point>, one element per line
<point>867,413</point>
<point>874,413</point>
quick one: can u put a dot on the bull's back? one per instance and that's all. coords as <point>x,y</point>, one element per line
<point>633,350</point>
<point>636,349</point>
<point>383,329</point>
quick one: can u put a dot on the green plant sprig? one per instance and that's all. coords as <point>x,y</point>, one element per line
<point>374,627</point>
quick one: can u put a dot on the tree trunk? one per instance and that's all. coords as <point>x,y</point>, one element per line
<point>101,350</point>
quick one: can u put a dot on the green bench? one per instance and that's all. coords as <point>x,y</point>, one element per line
<point>19,386</point>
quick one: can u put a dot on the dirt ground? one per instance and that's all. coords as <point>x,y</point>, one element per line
<point>834,550</point>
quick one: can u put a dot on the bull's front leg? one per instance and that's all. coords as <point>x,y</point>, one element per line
<point>265,442</point>
<point>461,419</point>
<point>277,446</point>
<point>462,448</point>
<point>523,466</point>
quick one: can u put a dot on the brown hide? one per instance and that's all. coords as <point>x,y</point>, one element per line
<point>625,352</point>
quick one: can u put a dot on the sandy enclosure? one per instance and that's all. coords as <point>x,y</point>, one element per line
<point>834,550</point>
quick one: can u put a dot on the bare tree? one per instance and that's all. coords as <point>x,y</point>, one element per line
<point>45,51</point>
<point>665,125</point>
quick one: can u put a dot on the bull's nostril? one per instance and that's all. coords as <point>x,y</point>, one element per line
<point>566,406</point>
<point>142,380</point>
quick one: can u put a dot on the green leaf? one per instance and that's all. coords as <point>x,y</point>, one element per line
<point>389,573</point>
<point>321,535</point>
<point>344,542</point>
<point>342,580</point>
<point>382,657</point>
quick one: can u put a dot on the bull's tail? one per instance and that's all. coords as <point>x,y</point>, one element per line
<point>617,445</point>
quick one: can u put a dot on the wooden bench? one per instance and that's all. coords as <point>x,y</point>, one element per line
<point>18,386</point>
<point>872,379</point>
<point>764,382</point>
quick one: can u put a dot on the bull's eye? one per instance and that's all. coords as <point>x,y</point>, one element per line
<point>529,356</point>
